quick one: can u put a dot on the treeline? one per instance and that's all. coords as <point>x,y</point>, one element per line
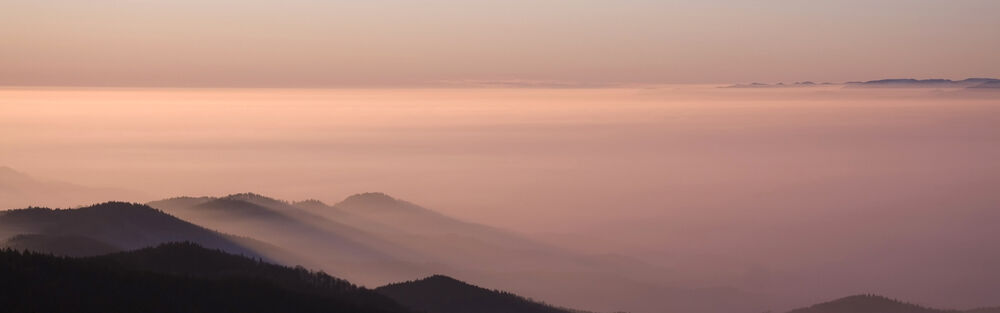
<point>177,277</point>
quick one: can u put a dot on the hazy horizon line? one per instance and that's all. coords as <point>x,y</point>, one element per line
<point>465,84</point>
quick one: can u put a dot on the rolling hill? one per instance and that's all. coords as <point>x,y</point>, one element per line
<point>443,294</point>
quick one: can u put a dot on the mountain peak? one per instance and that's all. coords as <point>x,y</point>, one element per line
<point>369,199</point>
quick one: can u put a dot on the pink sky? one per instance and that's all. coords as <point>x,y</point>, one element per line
<point>302,43</point>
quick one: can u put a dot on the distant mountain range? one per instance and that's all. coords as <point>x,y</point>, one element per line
<point>925,83</point>
<point>971,83</point>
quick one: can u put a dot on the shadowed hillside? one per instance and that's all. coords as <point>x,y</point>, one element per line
<point>74,246</point>
<point>443,294</point>
<point>176,277</point>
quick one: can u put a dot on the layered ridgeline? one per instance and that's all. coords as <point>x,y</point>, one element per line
<point>111,226</point>
<point>371,239</point>
<point>184,277</point>
<point>374,239</point>
<point>366,235</point>
<point>343,249</point>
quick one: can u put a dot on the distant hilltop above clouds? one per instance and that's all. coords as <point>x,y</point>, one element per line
<point>974,83</point>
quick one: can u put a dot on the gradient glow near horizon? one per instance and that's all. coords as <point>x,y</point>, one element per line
<point>417,43</point>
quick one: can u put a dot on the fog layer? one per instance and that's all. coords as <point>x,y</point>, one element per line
<point>806,193</point>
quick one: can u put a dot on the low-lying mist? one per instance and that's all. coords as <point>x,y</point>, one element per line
<point>799,194</point>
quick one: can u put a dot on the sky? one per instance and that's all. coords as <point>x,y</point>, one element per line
<point>806,192</point>
<point>381,43</point>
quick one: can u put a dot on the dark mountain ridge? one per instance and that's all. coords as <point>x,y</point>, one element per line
<point>443,294</point>
<point>67,245</point>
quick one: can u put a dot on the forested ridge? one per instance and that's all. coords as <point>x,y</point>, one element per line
<point>168,278</point>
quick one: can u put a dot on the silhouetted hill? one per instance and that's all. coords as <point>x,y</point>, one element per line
<point>868,304</point>
<point>176,277</point>
<point>117,224</point>
<point>68,245</point>
<point>443,294</point>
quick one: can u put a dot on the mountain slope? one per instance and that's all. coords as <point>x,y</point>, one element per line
<point>442,294</point>
<point>174,278</point>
